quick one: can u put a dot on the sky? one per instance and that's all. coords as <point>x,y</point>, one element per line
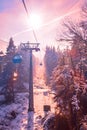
<point>14,21</point>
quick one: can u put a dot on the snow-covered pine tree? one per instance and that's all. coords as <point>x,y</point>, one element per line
<point>9,69</point>
<point>50,61</point>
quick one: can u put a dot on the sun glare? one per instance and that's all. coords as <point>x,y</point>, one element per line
<point>35,20</point>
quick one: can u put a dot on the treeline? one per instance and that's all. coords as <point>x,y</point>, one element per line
<point>66,73</point>
<point>14,75</point>
<point>51,60</point>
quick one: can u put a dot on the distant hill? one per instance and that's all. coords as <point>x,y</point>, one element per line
<point>3,45</point>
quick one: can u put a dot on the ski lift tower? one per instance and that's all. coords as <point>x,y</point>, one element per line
<point>30,47</point>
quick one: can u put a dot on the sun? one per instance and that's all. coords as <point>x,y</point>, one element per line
<point>35,20</point>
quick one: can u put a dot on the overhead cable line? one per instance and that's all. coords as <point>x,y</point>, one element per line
<point>3,41</point>
<point>25,7</point>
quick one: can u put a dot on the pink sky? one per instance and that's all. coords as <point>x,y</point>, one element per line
<point>13,19</point>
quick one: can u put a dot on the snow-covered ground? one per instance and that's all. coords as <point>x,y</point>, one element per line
<point>15,116</point>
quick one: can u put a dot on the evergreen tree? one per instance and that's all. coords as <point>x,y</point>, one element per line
<point>9,69</point>
<point>1,61</point>
<point>67,94</point>
<point>50,61</point>
<point>11,47</point>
